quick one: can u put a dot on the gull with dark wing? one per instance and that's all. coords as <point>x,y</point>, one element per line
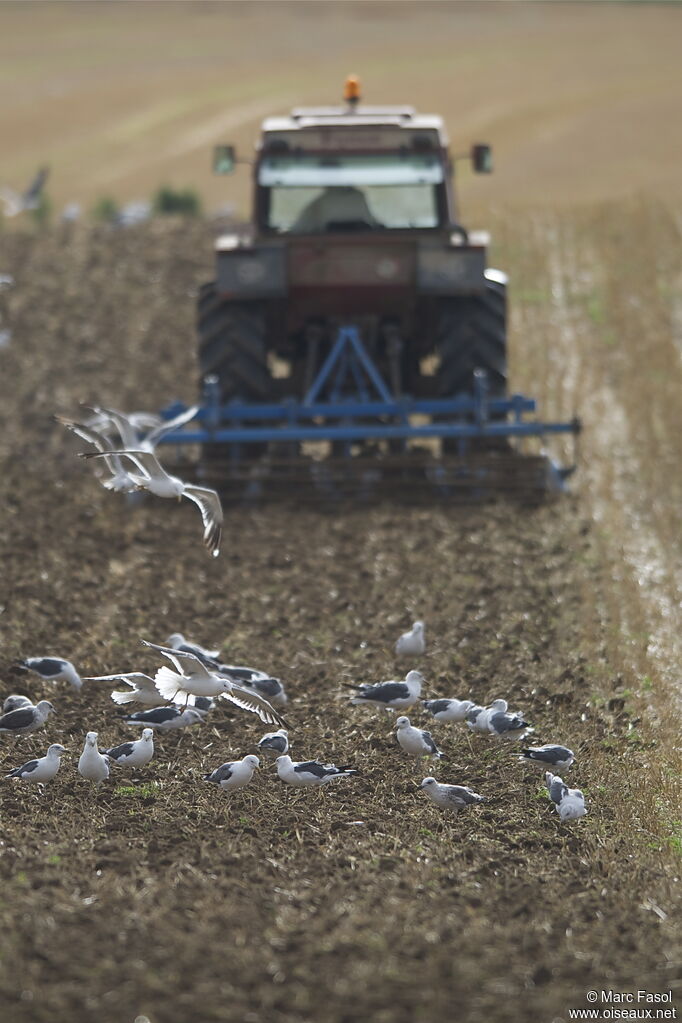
<point>19,202</point>
<point>275,743</point>
<point>53,669</point>
<point>391,695</point>
<point>178,642</point>
<point>167,718</point>
<point>450,797</point>
<point>43,769</point>
<point>310,772</point>
<point>14,701</point>
<point>449,710</point>
<point>259,681</point>
<point>154,478</point>
<point>569,803</point>
<point>133,754</point>
<point>235,774</point>
<point>193,678</point>
<point>24,720</point>
<point>414,741</point>
<point>550,755</point>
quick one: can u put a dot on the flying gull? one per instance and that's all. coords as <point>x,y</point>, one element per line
<point>449,710</point>
<point>391,695</point>
<point>119,480</point>
<point>128,426</point>
<point>450,797</point>
<point>40,770</point>
<point>167,718</point>
<point>415,741</point>
<point>19,202</point>
<point>53,669</point>
<point>142,688</point>
<point>310,772</point>
<point>93,765</point>
<point>193,678</point>
<point>235,774</point>
<point>133,754</point>
<point>275,743</point>
<point>154,478</point>
<point>26,719</point>
<point>412,643</point>
<point>570,803</point>
<point>556,757</point>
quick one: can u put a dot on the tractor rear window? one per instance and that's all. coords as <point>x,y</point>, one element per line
<point>313,194</point>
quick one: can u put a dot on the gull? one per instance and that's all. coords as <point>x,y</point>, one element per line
<point>168,718</point>
<point>479,722</point>
<point>26,719</point>
<point>142,688</point>
<point>14,701</point>
<point>449,710</point>
<point>133,754</point>
<point>412,643</point>
<point>556,757</point>
<point>16,202</point>
<point>53,669</point>
<point>392,695</point>
<point>154,478</point>
<point>193,678</point>
<point>178,642</point>
<point>507,726</point>
<point>235,774</point>
<point>120,481</point>
<point>128,426</point>
<point>275,743</point>
<point>140,421</point>
<point>450,797</point>
<point>310,772</point>
<point>570,803</point>
<point>93,765</point>
<point>40,770</point>
<point>270,688</point>
<point>415,741</point>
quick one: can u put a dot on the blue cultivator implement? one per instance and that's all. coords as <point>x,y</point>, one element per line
<point>351,437</point>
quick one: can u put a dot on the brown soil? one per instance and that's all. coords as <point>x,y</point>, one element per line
<point>167,899</point>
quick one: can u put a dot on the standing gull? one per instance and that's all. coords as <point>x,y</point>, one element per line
<point>133,754</point>
<point>556,757</point>
<point>391,695</point>
<point>310,772</point>
<point>450,797</point>
<point>275,743</point>
<point>92,765</point>
<point>193,678</point>
<point>507,726</point>
<point>168,718</point>
<point>14,701</point>
<point>154,478</point>
<point>26,719</point>
<point>40,770</point>
<point>570,803</point>
<point>412,643</point>
<point>449,710</point>
<point>479,722</point>
<point>414,741</point>
<point>235,774</point>
<point>251,678</point>
<point>53,669</point>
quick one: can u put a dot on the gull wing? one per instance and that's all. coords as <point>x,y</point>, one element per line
<point>159,432</point>
<point>127,431</point>
<point>12,201</point>
<point>211,509</point>
<point>137,457</point>
<point>248,700</point>
<point>130,677</point>
<point>102,443</point>
<point>185,662</point>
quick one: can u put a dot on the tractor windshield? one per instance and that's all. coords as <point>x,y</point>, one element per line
<point>312,194</point>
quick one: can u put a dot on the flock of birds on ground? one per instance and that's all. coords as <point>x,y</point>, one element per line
<point>198,680</point>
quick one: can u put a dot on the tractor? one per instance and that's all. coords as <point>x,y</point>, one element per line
<point>354,329</point>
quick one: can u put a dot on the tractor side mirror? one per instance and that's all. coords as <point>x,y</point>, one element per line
<point>224,159</point>
<point>482,158</point>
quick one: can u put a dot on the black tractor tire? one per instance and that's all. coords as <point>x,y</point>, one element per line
<point>232,346</point>
<point>471,334</point>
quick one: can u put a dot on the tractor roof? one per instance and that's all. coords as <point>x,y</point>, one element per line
<point>347,127</point>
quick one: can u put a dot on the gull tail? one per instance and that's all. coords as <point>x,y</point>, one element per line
<point>169,684</point>
<point>118,696</point>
